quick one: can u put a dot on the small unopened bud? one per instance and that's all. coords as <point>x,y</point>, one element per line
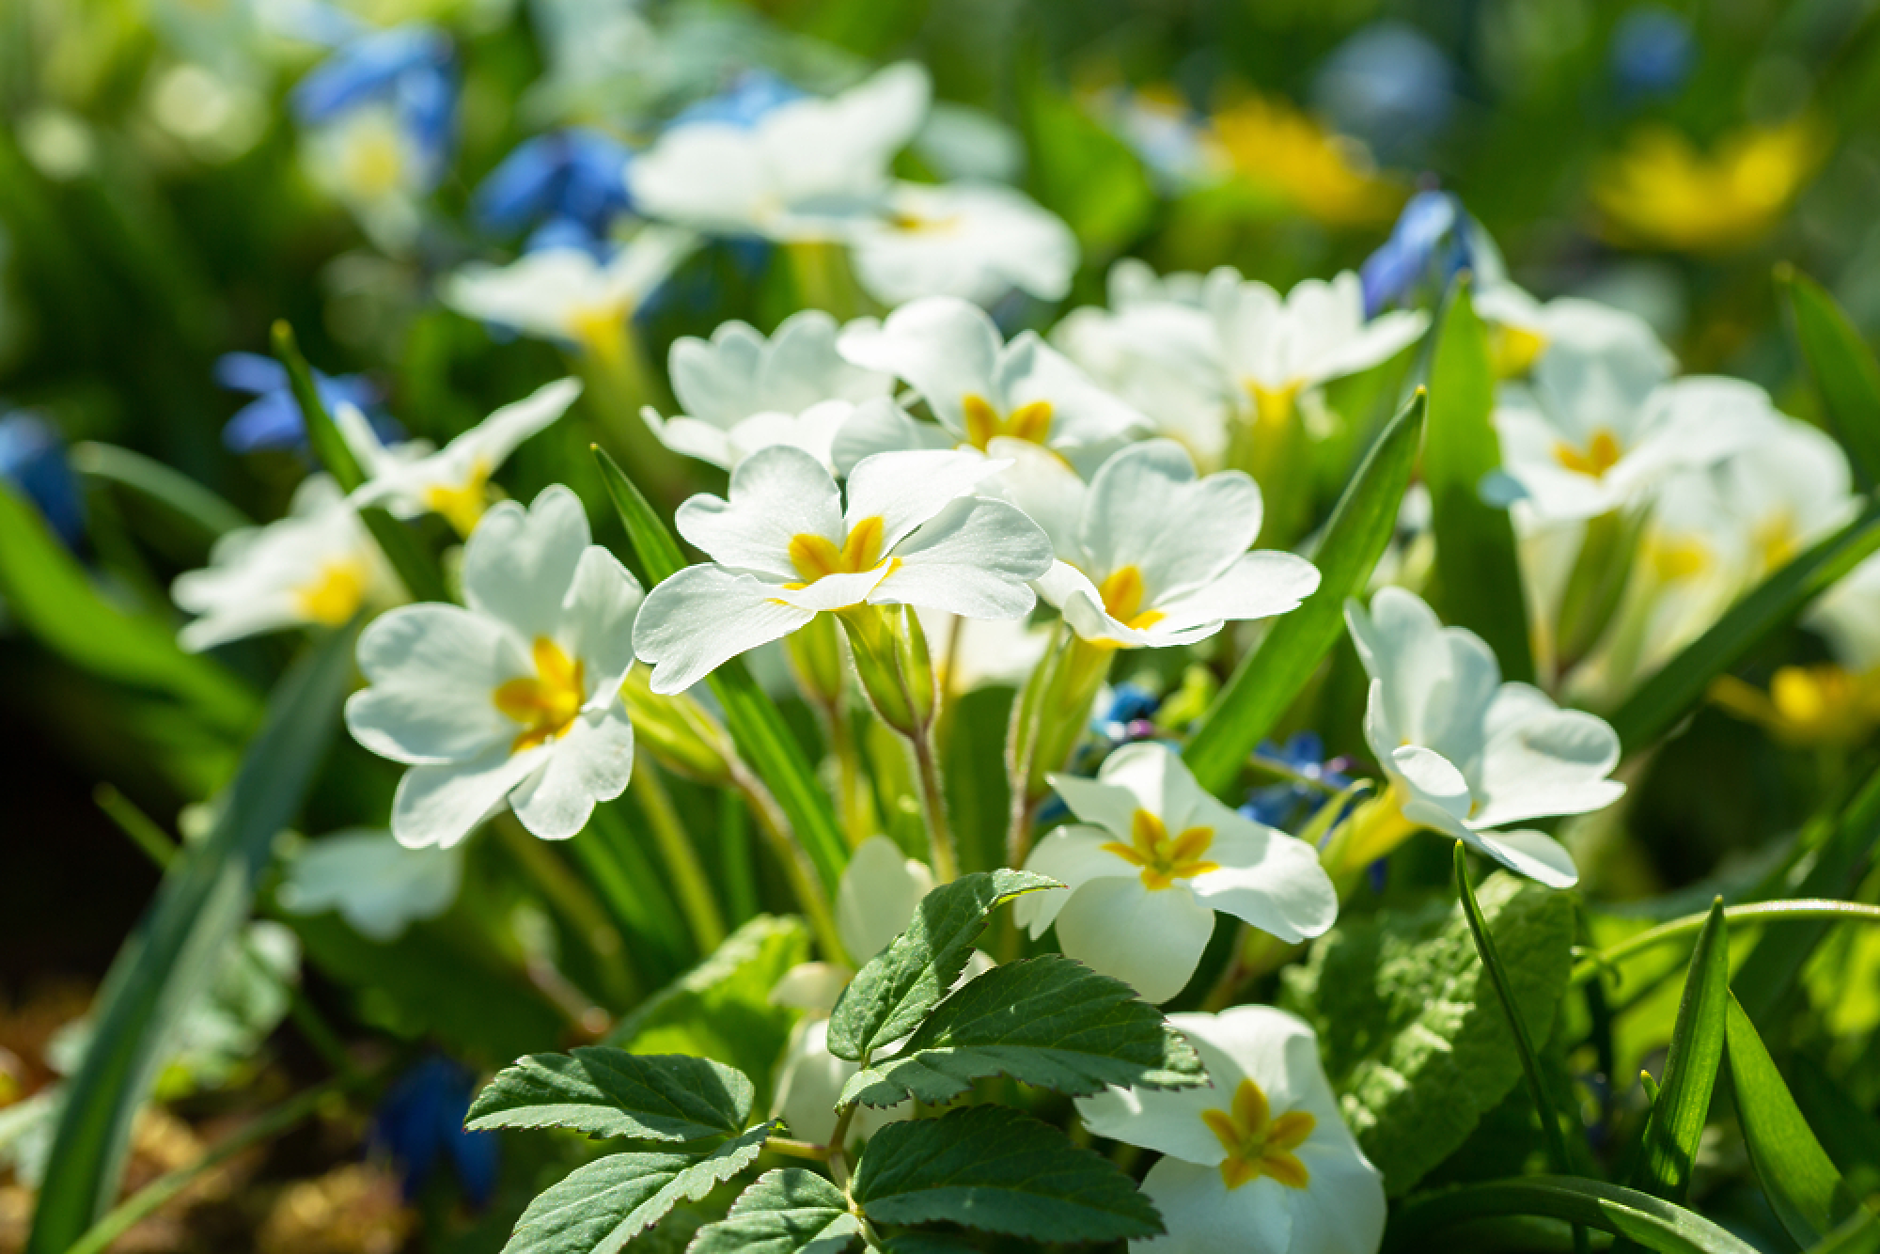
<point>680,733</point>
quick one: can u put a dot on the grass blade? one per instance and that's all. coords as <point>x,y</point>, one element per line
<point>176,492</point>
<point>1842,366</point>
<point>1652,1222</point>
<point>1691,1066</point>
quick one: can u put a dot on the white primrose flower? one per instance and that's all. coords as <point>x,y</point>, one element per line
<point>785,550</point>
<point>1150,554</point>
<point>513,699</point>
<point>1466,753</point>
<point>376,884</point>
<point>1152,860</point>
<point>978,387</point>
<point>565,294</point>
<point>975,241</point>
<point>1848,617</point>
<point>370,161</point>
<point>454,480</point>
<point>803,171</point>
<point>743,393</point>
<point>1521,328</point>
<point>1262,1161</point>
<point>317,566</point>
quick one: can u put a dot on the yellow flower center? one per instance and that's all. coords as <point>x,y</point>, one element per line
<point>374,161</point>
<point>1258,1144</point>
<point>333,595</point>
<point>1512,351</point>
<point>1122,595</point>
<point>1674,560</point>
<point>1273,407</point>
<point>601,330</point>
<point>1600,455</point>
<point>1776,539</point>
<point>461,504</point>
<point>548,703</point>
<point>815,556</point>
<point>913,224</point>
<point>1162,858</point>
<point>1029,422</point>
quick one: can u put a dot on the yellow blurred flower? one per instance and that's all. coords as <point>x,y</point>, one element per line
<point>1661,192</point>
<point>1807,705</point>
<point>1275,147</point>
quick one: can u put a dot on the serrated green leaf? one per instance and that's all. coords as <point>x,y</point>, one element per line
<point>1280,666</point>
<point>1478,575</point>
<point>1050,1022</point>
<point>889,997</point>
<point>1413,1038</point>
<point>994,1169</point>
<point>607,1092</point>
<point>1806,1192</point>
<point>790,1211</point>
<point>1842,366</point>
<point>918,1242</point>
<point>1652,1222</point>
<point>598,1208</point>
<point>1691,1065</point>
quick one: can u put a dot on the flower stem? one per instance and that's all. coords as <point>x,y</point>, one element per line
<point>570,897</point>
<point>946,867</point>
<point>682,863</point>
<point>804,882</point>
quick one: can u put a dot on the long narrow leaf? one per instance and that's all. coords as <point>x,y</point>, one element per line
<point>1652,1222</point>
<point>173,952</point>
<point>176,492</point>
<point>1843,368</point>
<point>1691,1065</point>
<point>1280,666</point>
<point>1478,574</point>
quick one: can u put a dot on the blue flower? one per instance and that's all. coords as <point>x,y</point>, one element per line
<point>753,94</point>
<point>1389,86</point>
<point>1430,243</point>
<point>411,68</point>
<point>272,420</point>
<point>1651,52</point>
<point>33,461</point>
<point>569,184</point>
<point>420,1122</point>
<point>1292,804</point>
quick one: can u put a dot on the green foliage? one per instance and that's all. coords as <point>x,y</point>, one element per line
<point>891,995</point>
<point>175,493</point>
<point>607,1092</point>
<point>1682,1102</point>
<point>1047,1021</point>
<point>1651,1222</point>
<point>1843,368</point>
<point>1084,173</point>
<point>1413,1040</point>
<point>790,1211</point>
<point>1281,665</point>
<point>996,1170</point>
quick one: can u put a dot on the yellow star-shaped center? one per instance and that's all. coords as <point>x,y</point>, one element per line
<point>547,703</point>
<point>1257,1144</point>
<point>1030,422</point>
<point>1600,455</point>
<point>1163,859</point>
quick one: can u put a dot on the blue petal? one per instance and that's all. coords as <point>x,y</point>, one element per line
<point>33,461</point>
<point>367,68</point>
<point>755,93</point>
<point>250,372</point>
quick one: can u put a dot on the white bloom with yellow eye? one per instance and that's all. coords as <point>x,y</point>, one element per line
<point>371,162</point>
<point>566,294</point>
<point>454,480</point>
<point>1262,1161</point>
<point>1521,329</point>
<point>743,392</point>
<point>785,549</point>
<point>512,700</point>
<point>316,567</point>
<point>976,241</point>
<point>1149,553</point>
<point>1466,753</point>
<point>979,387</point>
<point>1152,859</point>
<point>803,171</point>
<point>1848,615</point>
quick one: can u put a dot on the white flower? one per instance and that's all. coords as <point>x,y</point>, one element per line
<point>978,386</point>
<point>1848,615</point>
<point>565,294</point>
<point>1149,554</point>
<point>454,480</point>
<point>1790,486</point>
<point>512,700</point>
<point>1466,753</point>
<point>318,565</point>
<point>784,550</point>
<point>1262,1161</point>
<point>1154,857</point>
<point>742,392</point>
<point>976,241</point>
<point>376,884</point>
<point>371,161</point>
<point>802,171</point>
<point>1521,328</point>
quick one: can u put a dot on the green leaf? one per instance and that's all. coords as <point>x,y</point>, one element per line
<point>755,724</point>
<point>1412,1035</point>
<point>889,997</point>
<point>1859,1235</point>
<point>918,1242</point>
<point>600,1207</point>
<point>1478,575</point>
<point>790,1211</point>
<point>1850,1134</point>
<point>1843,368</point>
<point>1691,1064</point>
<point>177,946</point>
<point>176,492</point>
<point>1280,666</point>
<point>994,1169</point>
<point>1047,1021</point>
<point>1082,172</point>
<point>607,1092</point>
<point>1664,699</point>
<point>1806,1192</point>
<point>1652,1222</point>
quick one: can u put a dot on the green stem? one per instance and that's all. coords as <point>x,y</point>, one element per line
<point>571,898</point>
<point>1795,908</point>
<point>797,868</point>
<point>152,840</point>
<point>693,887</point>
<point>946,867</point>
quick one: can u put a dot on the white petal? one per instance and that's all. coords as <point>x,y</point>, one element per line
<point>1438,681</point>
<point>881,426</point>
<point>597,621</point>
<point>1073,856</point>
<point>880,889</point>
<point>1043,485</point>
<point>433,670</point>
<point>1546,762</point>
<point>1108,802</point>
<point>945,348</point>
<point>693,622</point>
<point>518,564</point>
<point>1082,413</point>
<point>1269,880</point>
<point>904,490</point>
<point>776,494</point>
<point>974,559</point>
<point>1204,1217</point>
<point>376,884</point>
<point>1148,510</point>
<point>833,592</point>
<point>690,437</point>
<point>441,805</point>
<point>1256,585</point>
<point>1150,940</point>
<point>1342,1209</point>
<point>589,762</point>
<point>491,441</point>
<point>716,380</point>
<point>1534,854</point>
<point>1439,795</point>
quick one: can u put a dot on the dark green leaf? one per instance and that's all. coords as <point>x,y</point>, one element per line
<point>608,1092</point>
<point>994,1169</point>
<point>178,944</point>
<point>1413,1038</point>
<point>1850,1134</point>
<point>1047,1021</point>
<point>889,997</point>
<point>1691,1064</point>
<point>918,1242</point>
<point>600,1207</point>
<point>1282,663</point>
<point>1843,368</point>
<point>1652,1222</point>
<point>791,1211</point>
<point>1859,1235</point>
